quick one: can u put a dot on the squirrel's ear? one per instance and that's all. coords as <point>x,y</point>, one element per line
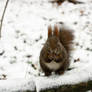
<point>49,31</point>
<point>56,31</point>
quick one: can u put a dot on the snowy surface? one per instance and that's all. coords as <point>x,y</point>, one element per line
<point>25,31</point>
<point>72,77</point>
<point>17,84</point>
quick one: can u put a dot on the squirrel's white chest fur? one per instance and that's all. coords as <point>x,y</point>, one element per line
<point>53,65</point>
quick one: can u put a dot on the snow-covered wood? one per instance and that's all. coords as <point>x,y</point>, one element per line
<point>81,87</point>
<point>73,77</point>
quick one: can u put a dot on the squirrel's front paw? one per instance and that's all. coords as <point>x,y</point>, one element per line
<point>59,72</point>
<point>47,73</point>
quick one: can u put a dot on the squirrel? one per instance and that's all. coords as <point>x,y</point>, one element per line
<point>59,2</point>
<point>54,56</point>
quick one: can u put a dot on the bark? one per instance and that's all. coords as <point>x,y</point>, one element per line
<point>81,87</point>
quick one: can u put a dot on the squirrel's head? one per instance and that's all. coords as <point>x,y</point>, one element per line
<point>54,46</point>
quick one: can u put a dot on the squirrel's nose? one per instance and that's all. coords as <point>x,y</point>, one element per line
<point>53,56</point>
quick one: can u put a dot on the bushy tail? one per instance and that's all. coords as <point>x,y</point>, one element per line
<point>66,37</point>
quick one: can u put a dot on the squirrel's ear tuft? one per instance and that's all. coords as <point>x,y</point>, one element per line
<point>49,31</point>
<point>56,31</point>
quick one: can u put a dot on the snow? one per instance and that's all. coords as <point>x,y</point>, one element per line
<point>17,84</point>
<point>24,32</point>
<point>72,77</point>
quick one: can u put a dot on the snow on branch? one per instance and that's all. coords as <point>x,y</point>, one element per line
<point>81,87</point>
<point>2,18</point>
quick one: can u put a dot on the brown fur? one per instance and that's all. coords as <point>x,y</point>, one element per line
<point>56,31</point>
<point>56,49</point>
<point>49,31</point>
<point>66,37</point>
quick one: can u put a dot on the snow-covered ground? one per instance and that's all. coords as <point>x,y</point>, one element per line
<point>25,31</point>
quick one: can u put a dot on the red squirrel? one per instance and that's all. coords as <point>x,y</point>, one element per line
<point>54,56</point>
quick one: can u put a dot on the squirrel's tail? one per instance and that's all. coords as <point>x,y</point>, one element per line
<point>66,37</point>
